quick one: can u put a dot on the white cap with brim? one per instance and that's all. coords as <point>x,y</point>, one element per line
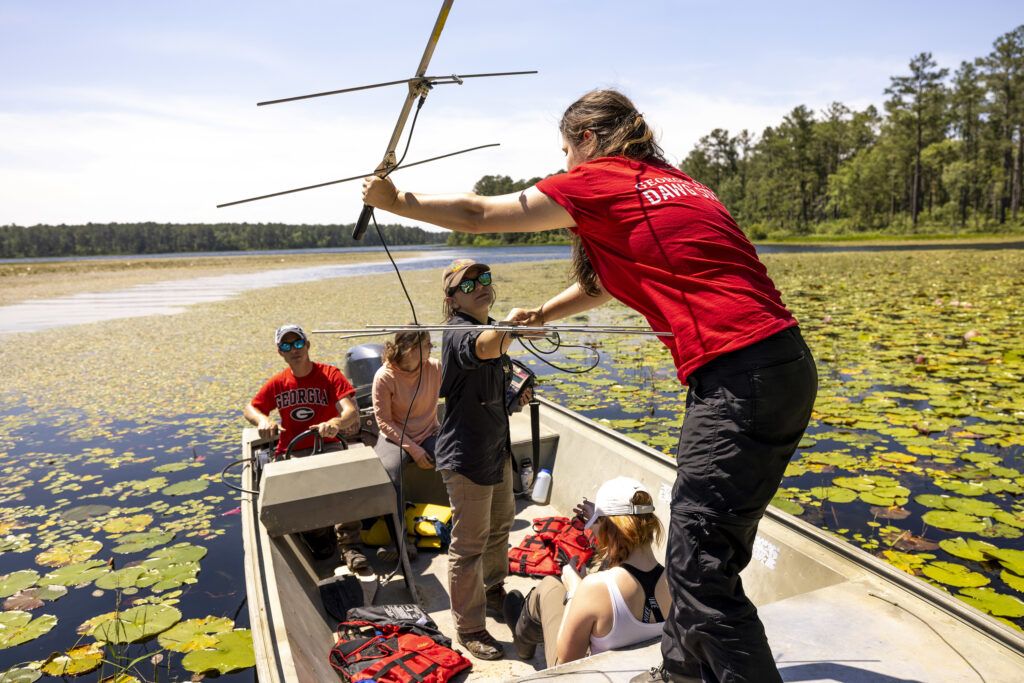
<point>285,329</point>
<point>615,497</point>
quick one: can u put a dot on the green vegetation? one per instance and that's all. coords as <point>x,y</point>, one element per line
<point>93,239</point>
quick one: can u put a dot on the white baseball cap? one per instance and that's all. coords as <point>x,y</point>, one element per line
<point>285,329</point>
<point>615,497</point>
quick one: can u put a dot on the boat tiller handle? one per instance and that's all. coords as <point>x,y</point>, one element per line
<point>363,222</point>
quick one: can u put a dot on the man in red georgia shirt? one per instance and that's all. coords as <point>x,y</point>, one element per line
<point>309,395</point>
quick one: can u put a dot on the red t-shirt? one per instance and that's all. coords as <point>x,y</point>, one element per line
<point>303,401</point>
<point>664,245</point>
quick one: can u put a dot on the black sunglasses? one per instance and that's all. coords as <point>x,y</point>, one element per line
<point>468,285</point>
<point>285,347</point>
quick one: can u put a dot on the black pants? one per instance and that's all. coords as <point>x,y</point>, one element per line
<point>745,414</point>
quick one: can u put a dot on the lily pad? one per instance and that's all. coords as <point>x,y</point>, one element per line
<point>179,552</point>
<point>786,505</point>
<point>80,513</point>
<point>171,467</point>
<point>184,488</point>
<point>19,627</point>
<point>1008,518</point>
<point>233,651</point>
<point>76,574</point>
<point>74,662</point>
<point>886,495</point>
<point>1010,559</point>
<point>32,598</point>
<point>69,553</point>
<point>136,623</point>
<point>121,525</point>
<point>855,483</point>
<point>953,574</point>
<point>133,543</point>
<point>997,604</point>
<point>1013,581</point>
<point>20,675</point>
<point>834,494</point>
<point>953,521</point>
<point>968,549</point>
<point>120,579</point>
<point>972,506</point>
<point>931,500</point>
<point>16,581</point>
<point>195,634</point>
<point>167,576</point>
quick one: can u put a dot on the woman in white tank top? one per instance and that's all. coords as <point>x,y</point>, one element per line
<point>621,605</point>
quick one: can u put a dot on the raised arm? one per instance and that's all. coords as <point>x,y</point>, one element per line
<point>528,211</point>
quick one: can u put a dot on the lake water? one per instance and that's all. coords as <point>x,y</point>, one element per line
<point>173,296</point>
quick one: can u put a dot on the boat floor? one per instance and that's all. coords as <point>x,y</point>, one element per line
<point>848,632</point>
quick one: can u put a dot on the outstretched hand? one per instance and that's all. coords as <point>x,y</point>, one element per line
<point>584,510</point>
<point>379,193</point>
<point>528,317</point>
<point>531,317</point>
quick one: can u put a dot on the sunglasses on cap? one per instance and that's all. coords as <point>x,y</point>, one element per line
<point>469,284</point>
<point>285,347</point>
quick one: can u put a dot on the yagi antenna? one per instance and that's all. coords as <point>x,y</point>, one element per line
<point>419,86</point>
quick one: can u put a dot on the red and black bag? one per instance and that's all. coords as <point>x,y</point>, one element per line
<point>388,653</point>
<point>558,541</point>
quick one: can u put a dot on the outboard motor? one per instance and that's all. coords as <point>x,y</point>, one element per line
<point>361,363</point>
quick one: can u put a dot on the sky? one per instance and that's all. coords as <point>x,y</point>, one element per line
<point>144,111</point>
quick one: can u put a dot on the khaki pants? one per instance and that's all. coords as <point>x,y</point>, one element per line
<point>478,555</point>
<point>546,605</point>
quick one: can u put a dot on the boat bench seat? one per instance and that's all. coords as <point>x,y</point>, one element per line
<point>303,494</point>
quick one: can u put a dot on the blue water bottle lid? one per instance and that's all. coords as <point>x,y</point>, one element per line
<point>545,469</point>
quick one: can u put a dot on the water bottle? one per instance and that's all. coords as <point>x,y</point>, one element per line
<point>526,473</point>
<point>542,486</point>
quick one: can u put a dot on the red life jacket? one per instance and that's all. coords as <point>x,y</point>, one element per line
<point>558,542</point>
<point>386,653</point>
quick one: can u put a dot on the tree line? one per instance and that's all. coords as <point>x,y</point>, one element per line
<point>94,239</point>
<point>945,153</point>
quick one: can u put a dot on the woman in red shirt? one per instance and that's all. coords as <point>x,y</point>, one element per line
<point>662,243</point>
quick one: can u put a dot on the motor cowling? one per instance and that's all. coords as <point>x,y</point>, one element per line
<point>361,364</point>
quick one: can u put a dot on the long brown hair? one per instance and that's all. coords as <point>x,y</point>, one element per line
<point>620,535</point>
<point>403,343</point>
<point>618,130</point>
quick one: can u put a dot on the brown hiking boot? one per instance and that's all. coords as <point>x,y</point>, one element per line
<point>354,558</point>
<point>481,645</point>
<point>496,602</point>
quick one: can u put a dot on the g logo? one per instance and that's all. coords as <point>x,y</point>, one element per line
<point>302,414</point>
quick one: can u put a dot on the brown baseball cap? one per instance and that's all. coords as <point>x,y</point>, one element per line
<point>456,270</point>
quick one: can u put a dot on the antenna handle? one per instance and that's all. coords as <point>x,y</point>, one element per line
<point>363,222</point>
